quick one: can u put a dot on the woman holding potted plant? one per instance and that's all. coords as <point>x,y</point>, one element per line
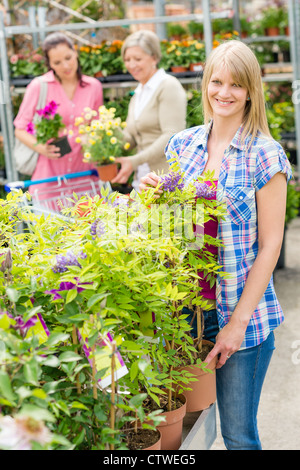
<point>72,92</point>
<point>154,115</point>
<point>250,172</point>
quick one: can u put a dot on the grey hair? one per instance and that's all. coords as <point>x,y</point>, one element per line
<point>147,40</point>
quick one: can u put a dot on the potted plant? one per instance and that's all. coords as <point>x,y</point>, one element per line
<point>195,29</point>
<point>100,134</point>
<point>271,20</point>
<point>176,31</point>
<point>46,127</point>
<point>178,56</point>
<point>197,55</point>
<point>90,60</point>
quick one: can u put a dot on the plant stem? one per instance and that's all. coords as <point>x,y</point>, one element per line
<point>94,365</point>
<point>112,396</point>
<point>75,341</point>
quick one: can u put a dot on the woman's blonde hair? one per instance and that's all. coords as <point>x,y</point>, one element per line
<point>241,62</point>
<point>147,40</point>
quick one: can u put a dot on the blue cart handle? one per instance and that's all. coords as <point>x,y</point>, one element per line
<point>25,184</point>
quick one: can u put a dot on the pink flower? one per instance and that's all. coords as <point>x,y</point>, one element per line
<point>20,432</point>
<point>30,128</point>
<point>49,110</point>
<point>14,59</point>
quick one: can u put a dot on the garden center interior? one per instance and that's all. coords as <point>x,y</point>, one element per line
<point>189,29</point>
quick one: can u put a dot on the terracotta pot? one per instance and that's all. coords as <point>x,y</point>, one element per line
<point>198,67</point>
<point>107,172</point>
<point>63,145</point>
<point>171,429</point>
<point>178,69</point>
<point>98,74</point>
<point>203,391</point>
<point>273,31</point>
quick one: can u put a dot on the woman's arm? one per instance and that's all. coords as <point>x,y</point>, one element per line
<point>271,207</point>
<point>50,151</point>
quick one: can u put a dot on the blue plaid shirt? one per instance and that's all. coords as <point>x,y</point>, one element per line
<point>243,172</point>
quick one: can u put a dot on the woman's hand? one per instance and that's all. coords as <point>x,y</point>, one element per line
<point>49,150</point>
<point>148,181</point>
<point>125,171</point>
<point>228,341</point>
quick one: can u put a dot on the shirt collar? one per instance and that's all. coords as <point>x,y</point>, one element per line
<point>237,141</point>
<point>153,82</point>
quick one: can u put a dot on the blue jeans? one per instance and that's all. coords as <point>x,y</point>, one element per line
<point>239,385</point>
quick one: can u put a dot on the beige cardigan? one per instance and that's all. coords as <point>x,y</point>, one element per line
<point>162,117</point>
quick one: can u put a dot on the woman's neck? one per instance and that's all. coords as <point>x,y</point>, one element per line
<point>224,131</point>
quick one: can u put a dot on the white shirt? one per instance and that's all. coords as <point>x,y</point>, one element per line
<point>145,92</point>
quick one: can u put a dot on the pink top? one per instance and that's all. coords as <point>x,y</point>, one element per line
<point>210,228</point>
<point>90,96</point>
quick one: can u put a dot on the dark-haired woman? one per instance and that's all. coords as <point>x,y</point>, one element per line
<point>73,92</point>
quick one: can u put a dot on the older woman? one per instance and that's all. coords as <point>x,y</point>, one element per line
<point>157,109</point>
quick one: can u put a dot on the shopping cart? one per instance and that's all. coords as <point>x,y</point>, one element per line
<point>62,191</point>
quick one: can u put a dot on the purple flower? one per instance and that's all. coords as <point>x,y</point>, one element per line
<point>171,181</point>
<point>69,259</point>
<point>203,190</point>
<point>97,228</point>
<point>30,128</point>
<point>66,286</point>
<point>22,326</point>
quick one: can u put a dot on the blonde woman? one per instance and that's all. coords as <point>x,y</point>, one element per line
<point>156,111</point>
<point>251,172</point>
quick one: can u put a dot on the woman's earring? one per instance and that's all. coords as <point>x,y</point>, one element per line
<point>248,99</point>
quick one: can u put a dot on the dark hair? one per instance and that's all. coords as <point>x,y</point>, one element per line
<point>52,41</point>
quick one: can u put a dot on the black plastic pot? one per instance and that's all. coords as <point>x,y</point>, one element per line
<point>63,145</point>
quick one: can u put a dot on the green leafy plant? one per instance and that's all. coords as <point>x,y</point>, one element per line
<point>272,17</point>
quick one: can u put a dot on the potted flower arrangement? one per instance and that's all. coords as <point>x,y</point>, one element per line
<point>196,29</point>
<point>30,65</point>
<point>197,55</point>
<point>271,20</point>
<point>46,127</point>
<point>102,140</point>
<point>177,56</point>
<point>90,60</point>
<point>176,31</point>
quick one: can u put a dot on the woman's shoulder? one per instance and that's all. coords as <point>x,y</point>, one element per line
<point>91,81</point>
<point>264,145</point>
<point>171,80</point>
<point>191,133</point>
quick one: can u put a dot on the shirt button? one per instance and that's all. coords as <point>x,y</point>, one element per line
<point>241,197</point>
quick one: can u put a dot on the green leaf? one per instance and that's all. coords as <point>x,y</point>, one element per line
<point>96,298</point>
<point>31,371</point>
<point>55,338</point>
<point>36,412</point>
<point>12,294</point>
<point>71,295</point>
<point>69,356</point>
<point>5,388</point>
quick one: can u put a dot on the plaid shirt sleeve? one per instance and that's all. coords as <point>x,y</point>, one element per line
<point>271,159</point>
